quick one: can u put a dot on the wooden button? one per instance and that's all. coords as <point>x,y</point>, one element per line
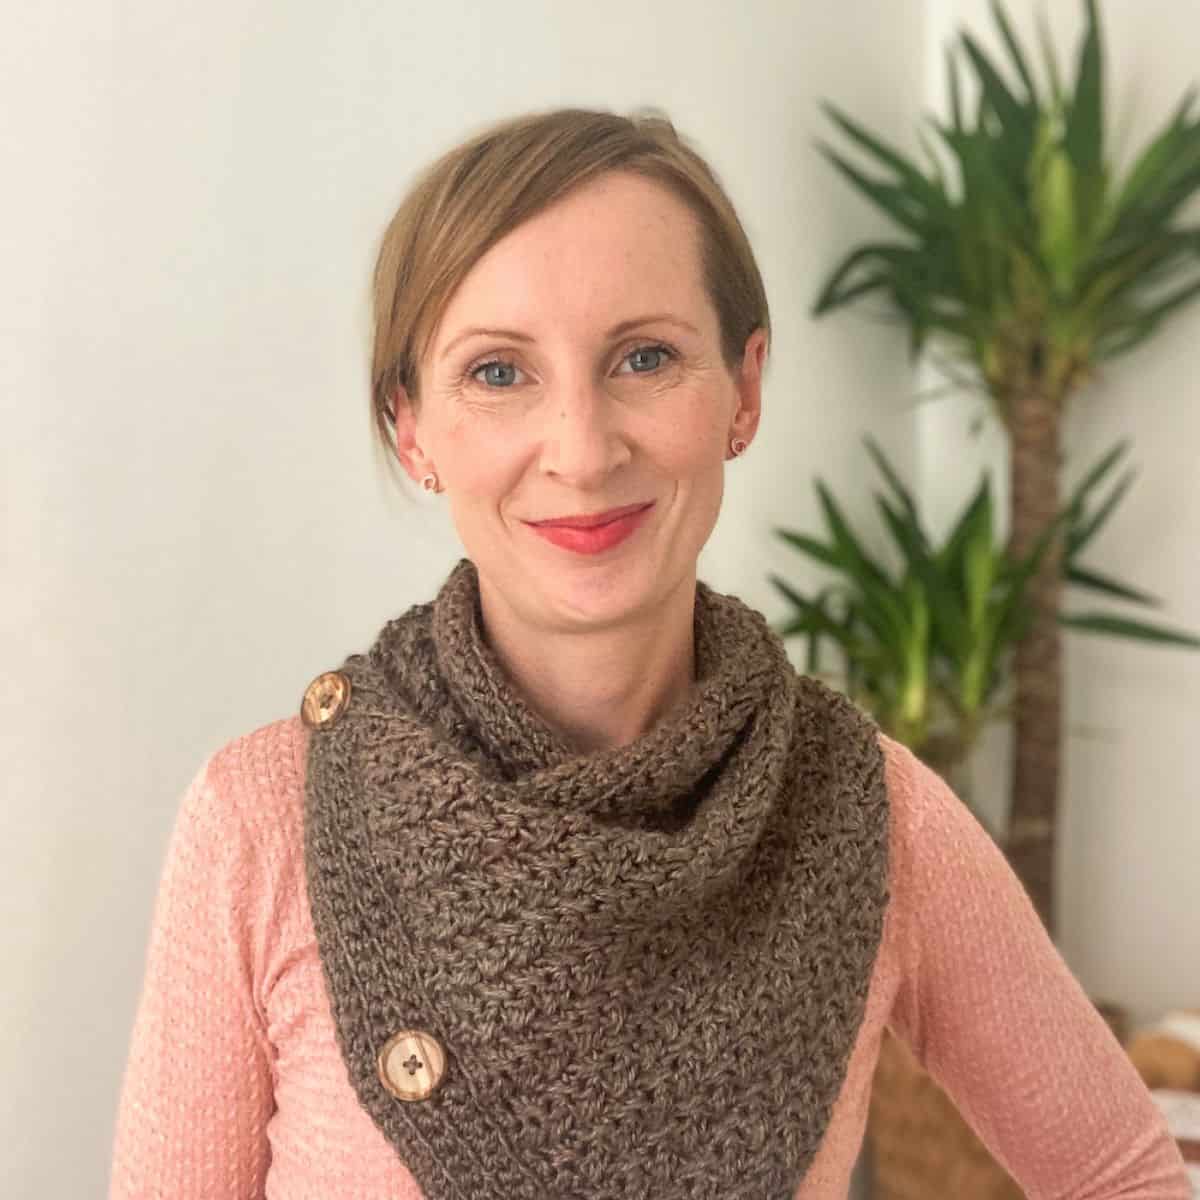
<point>325,699</point>
<point>412,1064</point>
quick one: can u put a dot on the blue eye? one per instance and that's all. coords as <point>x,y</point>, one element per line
<point>496,364</point>
<point>661,351</point>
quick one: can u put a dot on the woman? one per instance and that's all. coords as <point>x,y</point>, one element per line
<point>570,886</point>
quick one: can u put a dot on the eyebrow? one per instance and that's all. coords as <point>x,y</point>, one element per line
<point>621,327</point>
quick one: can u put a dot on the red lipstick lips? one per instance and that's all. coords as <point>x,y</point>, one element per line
<point>589,520</point>
<point>592,533</point>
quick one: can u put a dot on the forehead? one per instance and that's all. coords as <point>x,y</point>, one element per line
<point>612,248</point>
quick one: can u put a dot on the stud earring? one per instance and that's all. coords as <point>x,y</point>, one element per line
<point>737,446</point>
<point>430,483</point>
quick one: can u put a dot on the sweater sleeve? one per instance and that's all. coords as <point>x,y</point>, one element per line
<point>197,1090</point>
<point>994,1014</point>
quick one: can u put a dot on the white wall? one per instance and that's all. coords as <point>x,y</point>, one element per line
<point>194,522</point>
<point>1130,833</point>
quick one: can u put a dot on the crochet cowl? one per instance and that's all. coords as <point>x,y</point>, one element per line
<point>646,965</point>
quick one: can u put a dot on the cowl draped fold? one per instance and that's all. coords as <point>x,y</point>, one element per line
<point>646,965</point>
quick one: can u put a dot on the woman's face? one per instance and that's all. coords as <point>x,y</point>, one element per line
<point>578,369</point>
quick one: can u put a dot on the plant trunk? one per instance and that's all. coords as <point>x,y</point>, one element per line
<point>1034,432</point>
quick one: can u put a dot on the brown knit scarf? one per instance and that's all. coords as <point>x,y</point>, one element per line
<point>647,966</point>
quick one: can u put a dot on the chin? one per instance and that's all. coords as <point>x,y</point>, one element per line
<point>599,590</point>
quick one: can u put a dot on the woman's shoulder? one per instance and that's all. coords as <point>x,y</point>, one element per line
<point>911,785</point>
<point>236,851</point>
<point>265,764</point>
<point>251,788</point>
<point>933,831</point>
<point>937,831</point>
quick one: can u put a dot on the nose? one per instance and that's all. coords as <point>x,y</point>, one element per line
<point>584,439</point>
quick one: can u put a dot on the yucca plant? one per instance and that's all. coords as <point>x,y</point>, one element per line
<point>1028,269</point>
<point>926,648</point>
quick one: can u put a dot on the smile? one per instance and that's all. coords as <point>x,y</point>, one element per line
<point>597,538</point>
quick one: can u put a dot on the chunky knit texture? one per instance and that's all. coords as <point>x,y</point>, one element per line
<point>647,965</point>
<point>236,1088</point>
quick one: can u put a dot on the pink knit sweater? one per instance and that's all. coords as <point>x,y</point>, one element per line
<point>235,1088</point>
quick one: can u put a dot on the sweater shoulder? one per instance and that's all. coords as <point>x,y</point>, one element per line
<point>908,786</point>
<point>258,777</point>
<point>239,854</point>
<point>914,791</point>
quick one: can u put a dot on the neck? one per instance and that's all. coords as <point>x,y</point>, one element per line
<point>598,688</point>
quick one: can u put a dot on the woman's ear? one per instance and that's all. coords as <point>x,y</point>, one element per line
<point>749,386</point>
<point>408,452</point>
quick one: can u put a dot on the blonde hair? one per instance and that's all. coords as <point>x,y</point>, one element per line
<point>473,195</point>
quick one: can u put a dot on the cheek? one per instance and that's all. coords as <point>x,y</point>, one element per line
<point>691,439</point>
<point>482,457</point>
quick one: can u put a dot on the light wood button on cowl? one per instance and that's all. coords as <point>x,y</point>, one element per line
<point>325,699</point>
<point>412,1064</point>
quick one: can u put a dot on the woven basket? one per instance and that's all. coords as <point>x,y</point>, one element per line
<point>920,1146</point>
